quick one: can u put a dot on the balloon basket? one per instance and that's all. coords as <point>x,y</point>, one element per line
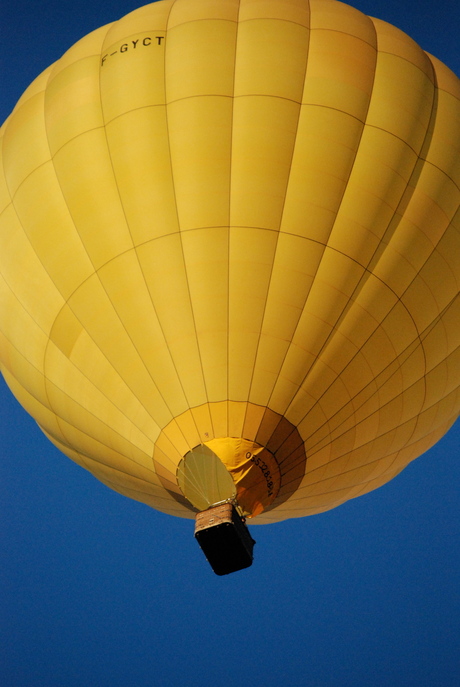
<point>224,538</point>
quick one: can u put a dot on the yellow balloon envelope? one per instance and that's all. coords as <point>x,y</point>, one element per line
<point>230,236</point>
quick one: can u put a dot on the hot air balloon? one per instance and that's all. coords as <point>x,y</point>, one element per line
<point>229,261</point>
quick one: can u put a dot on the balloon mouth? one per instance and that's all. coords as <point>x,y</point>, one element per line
<point>230,469</point>
<point>250,448</point>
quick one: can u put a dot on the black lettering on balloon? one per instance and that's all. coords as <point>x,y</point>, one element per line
<point>264,469</point>
<point>128,47</point>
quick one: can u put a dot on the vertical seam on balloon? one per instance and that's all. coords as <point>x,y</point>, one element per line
<point>257,351</point>
<point>332,227</point>
<point>180,235</point>
<point>306,66</point>
<point>178,224</point>
<point>410,186</point>
<point>173,362</point>
<point>416,171</point>
<point>325,245</point>
<point>229,217</point>
<point>286,458</point>
<point>254,19</point>
<point>109,153</point>
<point>318,267</point>
<point>134,247</point>
<point>179,231</point>
<point>368,268</point>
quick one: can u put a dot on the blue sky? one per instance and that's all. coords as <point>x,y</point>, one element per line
<point>99,590</point>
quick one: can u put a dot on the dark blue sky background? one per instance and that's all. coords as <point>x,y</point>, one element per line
<point>99,590</point>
